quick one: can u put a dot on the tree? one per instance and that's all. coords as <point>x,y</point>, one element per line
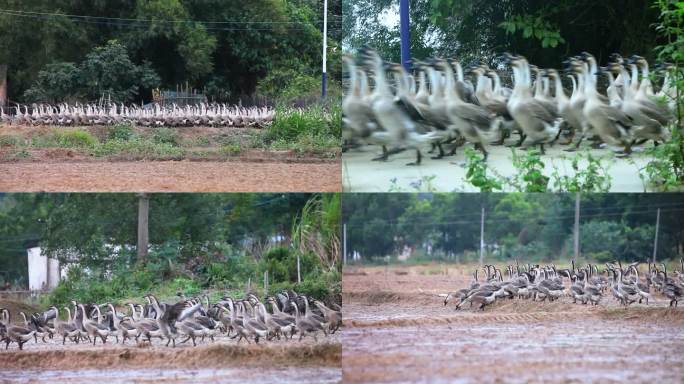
<point>546,33</point>
<point>106,72</point>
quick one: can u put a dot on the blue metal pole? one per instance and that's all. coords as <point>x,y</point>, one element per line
<point>324,77</point>
<point>404,33</point>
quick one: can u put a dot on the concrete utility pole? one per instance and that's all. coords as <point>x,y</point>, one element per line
<point>575,254</point>
<point>404,30</point>
<point>143,226</point>
<point>344,244</point>
<point>324,78</point>
<point>3,84</point>
<point>482,243</point>
<point>655,242</point>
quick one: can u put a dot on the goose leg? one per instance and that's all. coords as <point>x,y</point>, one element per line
<point>419,157</point>
<point>441,152</point>
<point>482,149</point>
<point>384,156</point>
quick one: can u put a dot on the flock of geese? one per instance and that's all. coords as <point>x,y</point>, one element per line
<point>586,285</point>
<point>438,105</point>
<point>203,114</point>
<point>248,319</point>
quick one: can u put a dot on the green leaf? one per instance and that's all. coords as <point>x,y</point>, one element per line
<point>527,32</point>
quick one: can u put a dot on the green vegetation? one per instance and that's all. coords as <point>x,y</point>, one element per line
<point>544,32</point>
<point>229,50</point>
<point>314,130</point>
<point>65,139</point>
<point>666,171</point>
<point>589,174</point>
<point>524,226</point>
<point>213,243</point>
<point>312,133</point>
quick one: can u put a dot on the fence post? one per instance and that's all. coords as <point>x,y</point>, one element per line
<point>266,282</point>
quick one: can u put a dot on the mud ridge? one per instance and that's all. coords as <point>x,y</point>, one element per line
<point>325,354</point>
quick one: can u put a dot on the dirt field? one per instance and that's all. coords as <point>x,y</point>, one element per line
<point>202,166</point>
<point>166,176</point>
<point>397,329</point>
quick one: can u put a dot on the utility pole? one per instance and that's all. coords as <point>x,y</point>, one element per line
<point>143,226</point>
<point>575,254</point>
<point>324,78</point>
<point>3,85</point>
<point>344,244</point>
<point>404,33</point>
<point>482,237</point>
<point>655,242</point>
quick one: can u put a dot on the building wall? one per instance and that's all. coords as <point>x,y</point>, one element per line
<point>44,273</point>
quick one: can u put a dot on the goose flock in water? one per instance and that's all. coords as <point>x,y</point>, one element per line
<point>437,104</point>
<point>587,285</point>
<point>203,114</point>
<point>249,319</point>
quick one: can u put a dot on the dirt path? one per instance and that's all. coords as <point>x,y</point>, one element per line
<point>170,176</point>
<point>363,175</point>
<point>397,329</point>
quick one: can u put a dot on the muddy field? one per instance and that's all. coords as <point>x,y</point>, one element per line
<point>176,176</point>
<point>222,361</point>
<point>397,329</point>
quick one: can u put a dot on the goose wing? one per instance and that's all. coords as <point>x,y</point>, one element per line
<point>474,114</point>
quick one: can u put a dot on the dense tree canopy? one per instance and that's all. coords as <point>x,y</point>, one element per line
<point>91,229</point>
<point>227,47</point>
<point>524,226</point>
<point>545,32</point>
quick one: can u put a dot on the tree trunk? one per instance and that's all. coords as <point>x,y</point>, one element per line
<point>143,226</point>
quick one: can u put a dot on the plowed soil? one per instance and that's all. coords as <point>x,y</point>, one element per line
<point>171,176</point>
<point>397,329</point>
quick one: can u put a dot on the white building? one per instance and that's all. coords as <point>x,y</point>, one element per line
<point>44,272</point>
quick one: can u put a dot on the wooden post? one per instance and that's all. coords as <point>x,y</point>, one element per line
<point>266,282</point>
<point>3,84</point>
<point>143,226</point>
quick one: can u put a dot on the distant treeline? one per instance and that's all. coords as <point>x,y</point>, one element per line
<point>528,227</point>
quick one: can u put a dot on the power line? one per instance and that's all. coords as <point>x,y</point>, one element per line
<point>144,23</point>
<point>544,218</point>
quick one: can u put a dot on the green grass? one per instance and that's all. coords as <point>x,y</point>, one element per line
<point>231,149</point>
<point>65,139</point>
